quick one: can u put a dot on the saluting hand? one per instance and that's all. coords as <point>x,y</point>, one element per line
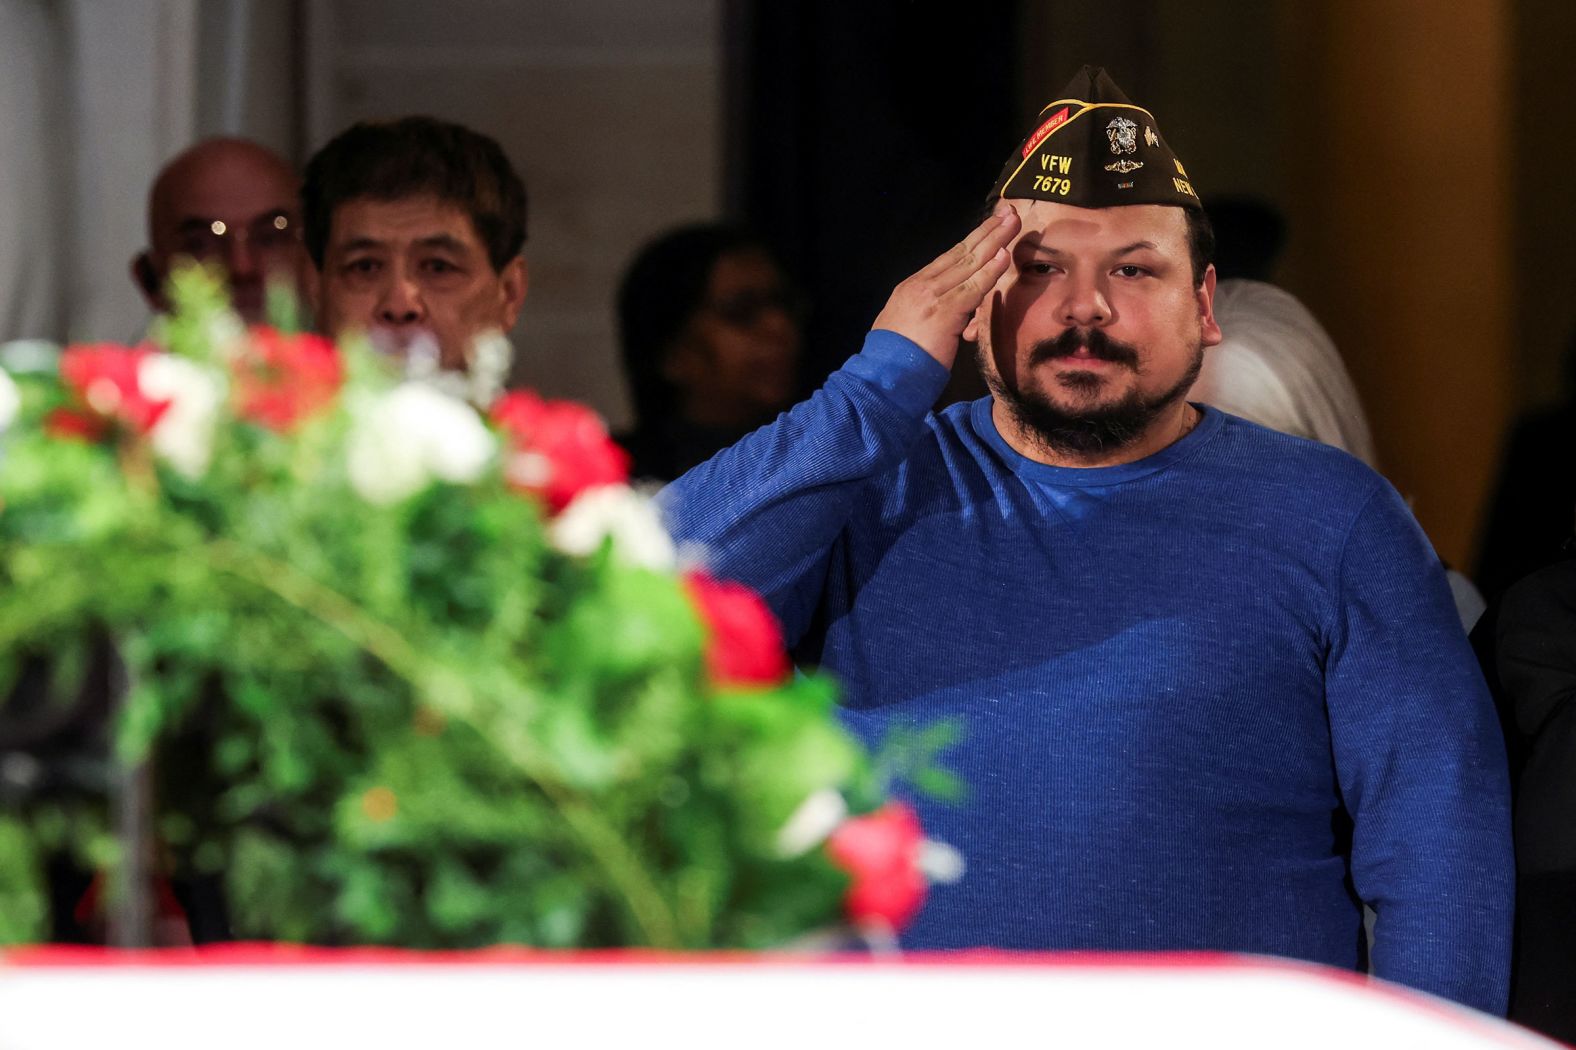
<point>934,306</point>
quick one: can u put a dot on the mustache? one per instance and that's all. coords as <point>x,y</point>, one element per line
<point>1098,343</point>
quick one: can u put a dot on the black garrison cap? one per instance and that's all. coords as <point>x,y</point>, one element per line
<point>1092,148</point>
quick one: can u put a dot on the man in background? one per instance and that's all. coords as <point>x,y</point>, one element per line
<point>414,228</point>
<point>231,203</point>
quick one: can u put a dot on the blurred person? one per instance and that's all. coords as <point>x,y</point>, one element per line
<point>710,340</point>
<point>415,228</point>
<point>1278,367</point>
<point>1528,646</point>
<point>233,203</point>
<point>1209,688</point>
<point>1529,510</point>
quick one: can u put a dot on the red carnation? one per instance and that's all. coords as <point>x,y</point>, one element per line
<point>881,852</point>
<point>103,380</point>
<point>76,425</point>
<point>282,379</point>
<point>745,643</point>
<point>560,448</point>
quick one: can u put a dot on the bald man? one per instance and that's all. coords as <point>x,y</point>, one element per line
<point>230,202</point>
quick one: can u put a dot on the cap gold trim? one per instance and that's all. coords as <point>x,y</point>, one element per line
<point>1087,107</point>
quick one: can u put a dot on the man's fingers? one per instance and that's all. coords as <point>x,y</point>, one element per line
<point>1000,217</point>
<point>992,271</point>
<point>983,251</point>
<point>972,250</point>
<point>934,306</point>
<point>990,258</point>
<point>973,289</point>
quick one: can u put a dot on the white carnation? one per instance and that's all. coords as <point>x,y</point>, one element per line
<point>816,818</point>
<point>225,333</point>
<point>183,436</point>
<point>10,400</point>
<point>940,862</point>
<point>619,512</point>
<point>411,435</point>
<point>384,462</point>
<point>490,360</point>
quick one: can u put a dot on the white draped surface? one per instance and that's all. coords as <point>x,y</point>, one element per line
<point>94,97</point>
<point>297,998</point>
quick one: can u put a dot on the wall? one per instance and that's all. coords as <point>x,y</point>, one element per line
<point>1543,140</point>
<point>1402,178</point>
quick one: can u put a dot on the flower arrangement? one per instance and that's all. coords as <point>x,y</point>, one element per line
<point>414,673</point>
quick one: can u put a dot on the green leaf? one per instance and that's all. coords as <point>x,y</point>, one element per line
<point>24,893</point>
<point>456,902</point>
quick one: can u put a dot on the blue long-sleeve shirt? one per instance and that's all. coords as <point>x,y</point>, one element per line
<point>1211,699</point>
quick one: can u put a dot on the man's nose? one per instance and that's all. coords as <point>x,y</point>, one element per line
<point>241,258</point>
<point>400,303</point>
<point>1084,303</point>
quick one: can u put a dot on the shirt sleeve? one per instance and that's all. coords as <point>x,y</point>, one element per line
<point>768,509</point>
<point>1421,764</point>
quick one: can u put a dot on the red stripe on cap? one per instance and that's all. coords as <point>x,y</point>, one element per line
<point>1057,120</point>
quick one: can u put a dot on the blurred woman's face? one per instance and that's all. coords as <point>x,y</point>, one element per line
<point>736,361</point>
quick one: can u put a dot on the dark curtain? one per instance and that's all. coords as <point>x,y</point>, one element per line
<point>863,140</point>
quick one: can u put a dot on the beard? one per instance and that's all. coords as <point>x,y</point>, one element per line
<point>1100,429</point>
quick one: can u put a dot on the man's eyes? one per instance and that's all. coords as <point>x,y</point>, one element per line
<point>200,247</point>
<point>368,266</point>
<point>1045,269</point>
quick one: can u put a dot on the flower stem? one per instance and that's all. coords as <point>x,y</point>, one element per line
<point>626,874</point>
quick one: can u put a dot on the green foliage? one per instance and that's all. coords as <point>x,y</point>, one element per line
<point>24,911</point>
<point>912,757</point>
<point>417,723</point>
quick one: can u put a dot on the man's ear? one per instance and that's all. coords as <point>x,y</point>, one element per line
<point>148,281</point>
<point>1209,330</point>
<point>982,315</point>
<point>971,331</point>
<point>513,280</point>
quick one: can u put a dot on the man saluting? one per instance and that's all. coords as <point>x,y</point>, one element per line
<point>1212,689</point>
